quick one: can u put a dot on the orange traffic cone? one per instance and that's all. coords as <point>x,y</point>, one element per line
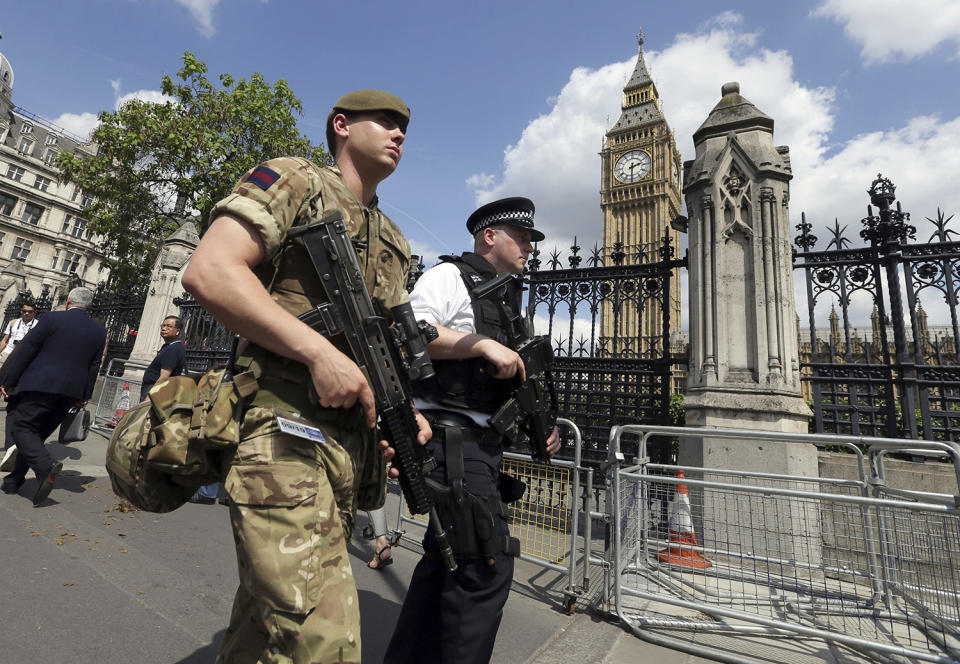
<point>681,532</point>
<point>123,404</point>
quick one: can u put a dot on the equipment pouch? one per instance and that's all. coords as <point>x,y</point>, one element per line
<point>194,420</point>
<point>167,446</point>
<point>131,477</point>
<point>511,488</point>
<point>473,527</point>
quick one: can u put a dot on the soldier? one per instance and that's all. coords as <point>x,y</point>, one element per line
<point>293,500</point>
<point>461,610</point>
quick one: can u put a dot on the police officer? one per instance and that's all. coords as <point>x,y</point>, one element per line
<point>293,500</point>
<point>454,616</point>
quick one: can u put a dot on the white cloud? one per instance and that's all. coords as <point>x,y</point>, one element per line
<point>583,332</point>
<point>481,181</point>
<point>888,30</point>
<point>143,95</point>
<point>555,160</point>
<point>202,12</point>
<point>80,124</point>
<point>920,158</point>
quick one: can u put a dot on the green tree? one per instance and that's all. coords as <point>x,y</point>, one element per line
<point>192,148</point>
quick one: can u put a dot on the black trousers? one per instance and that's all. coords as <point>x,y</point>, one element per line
<point>35,417</point>
<point>12,401</point>
<point>453,617</point>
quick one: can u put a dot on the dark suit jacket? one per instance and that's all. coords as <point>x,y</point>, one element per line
<point>61,355</point>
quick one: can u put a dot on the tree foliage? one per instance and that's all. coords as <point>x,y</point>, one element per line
<point>192,147</point>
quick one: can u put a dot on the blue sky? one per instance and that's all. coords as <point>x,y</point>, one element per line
<point>513,98</point>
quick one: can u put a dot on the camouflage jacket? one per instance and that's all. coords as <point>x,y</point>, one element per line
<point>290,191</point>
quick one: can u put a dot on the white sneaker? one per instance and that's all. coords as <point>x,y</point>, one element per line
<point>9,459</point>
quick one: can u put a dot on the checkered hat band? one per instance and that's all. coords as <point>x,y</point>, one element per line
<point>515,217</point>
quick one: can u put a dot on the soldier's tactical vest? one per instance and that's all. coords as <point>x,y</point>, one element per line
<point>469,383</point>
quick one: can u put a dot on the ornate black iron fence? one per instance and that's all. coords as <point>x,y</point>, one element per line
<point>12,310</point>
<point>119,313</point>
<point>899,376</point>
<point>610,368</point>
<point>207,342</point>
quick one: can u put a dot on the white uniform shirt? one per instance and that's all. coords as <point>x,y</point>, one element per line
<point>17,330</point>
<point>441,298</point>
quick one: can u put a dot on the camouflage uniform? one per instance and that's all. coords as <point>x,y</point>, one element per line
<point>294,500</point>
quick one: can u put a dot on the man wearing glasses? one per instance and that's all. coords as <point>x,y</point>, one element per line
<point>17,330</point>
<point>170,359</point>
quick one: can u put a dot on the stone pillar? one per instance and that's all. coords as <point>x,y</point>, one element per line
<point>13,281</point>
<point>165,284</point>
<point>743,366</point>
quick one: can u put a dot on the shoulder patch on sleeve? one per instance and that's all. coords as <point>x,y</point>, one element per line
<point>263,177</point>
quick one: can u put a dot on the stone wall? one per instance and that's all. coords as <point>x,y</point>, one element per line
<point>921,544</point>
<point>927,476</point>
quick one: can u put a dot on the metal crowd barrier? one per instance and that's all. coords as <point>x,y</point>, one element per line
<point>117,395</point>
<point>856,563</point>
<point>545,519</point>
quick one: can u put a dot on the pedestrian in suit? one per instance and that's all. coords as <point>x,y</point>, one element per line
<point>54,368</point>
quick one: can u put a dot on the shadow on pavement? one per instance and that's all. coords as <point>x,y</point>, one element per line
<point>543,585</point>
<point>72,481</point>
<point>379,618</point>
<point>68,480</point>
<point>207,653</point>
<point>61,452</point>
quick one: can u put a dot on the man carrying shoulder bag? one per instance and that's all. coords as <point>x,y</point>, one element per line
<point>54,368</point>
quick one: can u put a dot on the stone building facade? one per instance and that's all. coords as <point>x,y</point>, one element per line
<point>865,344</point>
<point>45,244</point>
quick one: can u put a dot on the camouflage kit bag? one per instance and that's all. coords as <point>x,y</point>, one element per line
<point>163,449</point>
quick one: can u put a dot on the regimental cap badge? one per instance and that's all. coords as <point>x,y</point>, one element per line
<point>515,211</point>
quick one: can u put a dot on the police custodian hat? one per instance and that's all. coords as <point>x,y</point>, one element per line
<point>359,101</point>
<point>515,211</point>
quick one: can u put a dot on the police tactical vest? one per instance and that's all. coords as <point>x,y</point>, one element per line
<point>469,383</point>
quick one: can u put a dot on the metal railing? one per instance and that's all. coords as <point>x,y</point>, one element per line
<point>117,394</point>
<point>857,563</point>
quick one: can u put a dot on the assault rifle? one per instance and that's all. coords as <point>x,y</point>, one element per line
<point>390,356</point>
<point>533,404</point>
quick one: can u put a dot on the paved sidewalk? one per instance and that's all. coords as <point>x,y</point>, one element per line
<point>84,582</point>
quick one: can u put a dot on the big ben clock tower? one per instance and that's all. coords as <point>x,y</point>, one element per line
<point>639,196</point>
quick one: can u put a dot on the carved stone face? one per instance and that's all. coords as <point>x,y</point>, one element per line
<point>733,183</point>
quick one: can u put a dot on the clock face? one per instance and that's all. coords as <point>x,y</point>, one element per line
<point>632,166</point>
<point>676,174</point>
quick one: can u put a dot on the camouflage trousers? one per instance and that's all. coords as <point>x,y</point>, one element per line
<point>292,514</point>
